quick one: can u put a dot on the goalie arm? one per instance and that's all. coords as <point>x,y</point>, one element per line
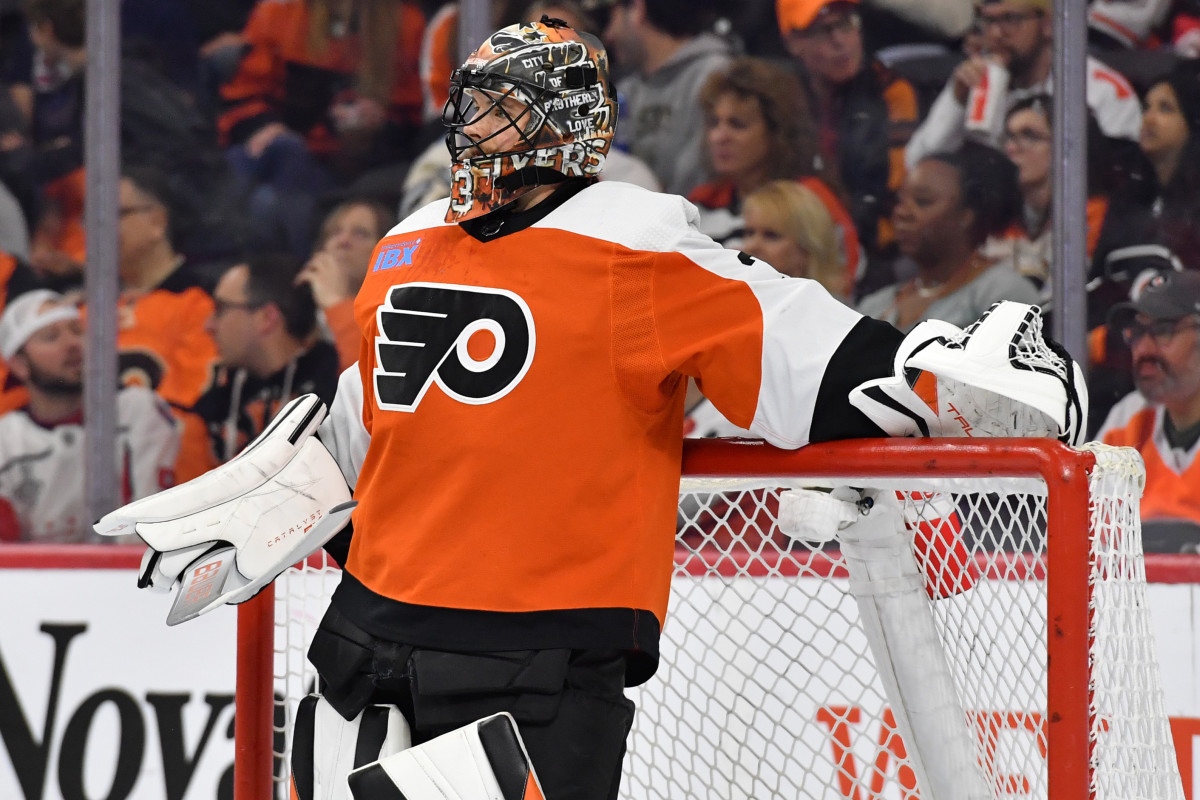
<point>867,352</point>
<point>783,358</point>
<point>999,377</point>
<point>345,435</point>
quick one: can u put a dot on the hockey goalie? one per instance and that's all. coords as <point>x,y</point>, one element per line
<point>498,474</point>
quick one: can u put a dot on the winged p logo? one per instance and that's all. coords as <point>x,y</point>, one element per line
<point>425,333</point>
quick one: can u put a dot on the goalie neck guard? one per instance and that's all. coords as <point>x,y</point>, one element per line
<point>549,84</point>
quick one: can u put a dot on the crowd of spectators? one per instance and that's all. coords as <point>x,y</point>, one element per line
<point>897,151</point>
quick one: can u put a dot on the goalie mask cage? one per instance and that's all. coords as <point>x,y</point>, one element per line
<point>768,687</point>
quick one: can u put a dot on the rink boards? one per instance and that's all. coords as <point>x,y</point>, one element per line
<point>100,699</point>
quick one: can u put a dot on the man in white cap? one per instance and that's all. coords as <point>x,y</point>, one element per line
<point>41,444</point>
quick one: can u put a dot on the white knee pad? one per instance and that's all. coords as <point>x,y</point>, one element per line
<point>485,760</point>
<point>326,747</point>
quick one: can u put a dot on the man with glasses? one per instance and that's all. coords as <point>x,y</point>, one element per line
<point>1019,37</point>
<point>1162,418</point>
<point>164,302</point>
<point>865,113</point>
<point>265,328</point>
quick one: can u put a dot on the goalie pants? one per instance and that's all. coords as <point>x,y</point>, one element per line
<point>569,704</point>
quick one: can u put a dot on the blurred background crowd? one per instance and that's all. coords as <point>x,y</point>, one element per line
<point>897,151</point>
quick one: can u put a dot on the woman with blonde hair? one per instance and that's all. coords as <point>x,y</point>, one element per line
<point>787,225</point>
<point>338,265</point>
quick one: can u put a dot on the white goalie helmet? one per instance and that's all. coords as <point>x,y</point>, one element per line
<point>551,85</point>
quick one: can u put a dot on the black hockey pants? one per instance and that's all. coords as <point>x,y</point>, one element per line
<point>569,704</point>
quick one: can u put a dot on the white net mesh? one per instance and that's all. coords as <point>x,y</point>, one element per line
<point>768,688</point>
<point>301,596</point>
<point>1129,718</point>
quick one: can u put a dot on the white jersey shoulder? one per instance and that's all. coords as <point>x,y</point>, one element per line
<point>1113,100</point>
<point>134,402</point>
<point>431,215</point>
<point>628,215</point>
<point>39,465</point>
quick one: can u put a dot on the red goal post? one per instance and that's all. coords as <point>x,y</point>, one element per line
<point>768,687</point>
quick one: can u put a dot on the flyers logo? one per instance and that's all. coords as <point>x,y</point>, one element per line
<point>140,368</point>
<point>475,344</point>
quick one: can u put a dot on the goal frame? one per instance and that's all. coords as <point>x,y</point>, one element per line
<point>1064,470</point>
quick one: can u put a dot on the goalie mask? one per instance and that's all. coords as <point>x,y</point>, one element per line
<point>532,106</point>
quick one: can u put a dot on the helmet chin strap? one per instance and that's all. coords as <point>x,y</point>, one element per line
<point>529,176</point>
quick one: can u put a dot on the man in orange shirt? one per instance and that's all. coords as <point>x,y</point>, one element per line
<point>1162,418</point>
<point>505,559</point>
<point>164,303</point>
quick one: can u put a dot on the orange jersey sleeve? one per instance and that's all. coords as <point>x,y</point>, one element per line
<point>439,57</point>
<point>272,31</point>
<point>1097,210</point>
<point>903,116</point>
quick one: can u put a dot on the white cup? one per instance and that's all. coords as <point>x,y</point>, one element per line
<point>986,103</point>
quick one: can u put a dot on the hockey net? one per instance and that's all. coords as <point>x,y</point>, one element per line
<point>1033,591</point>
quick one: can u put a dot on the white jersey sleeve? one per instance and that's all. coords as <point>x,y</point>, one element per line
<point>40,474</point>
<point>704,421</point>
<point>802,326</point>
<point>1128,21</point>
<point>151,441</point>
<point>1113,100</point>
<point>1110,98</point>
<point>343,432</point>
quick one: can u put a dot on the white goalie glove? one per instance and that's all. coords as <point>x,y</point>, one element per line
<point>998,377</point>
<point>228,533</point>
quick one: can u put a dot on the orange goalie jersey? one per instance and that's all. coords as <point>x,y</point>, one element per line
<point>491,516</point>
